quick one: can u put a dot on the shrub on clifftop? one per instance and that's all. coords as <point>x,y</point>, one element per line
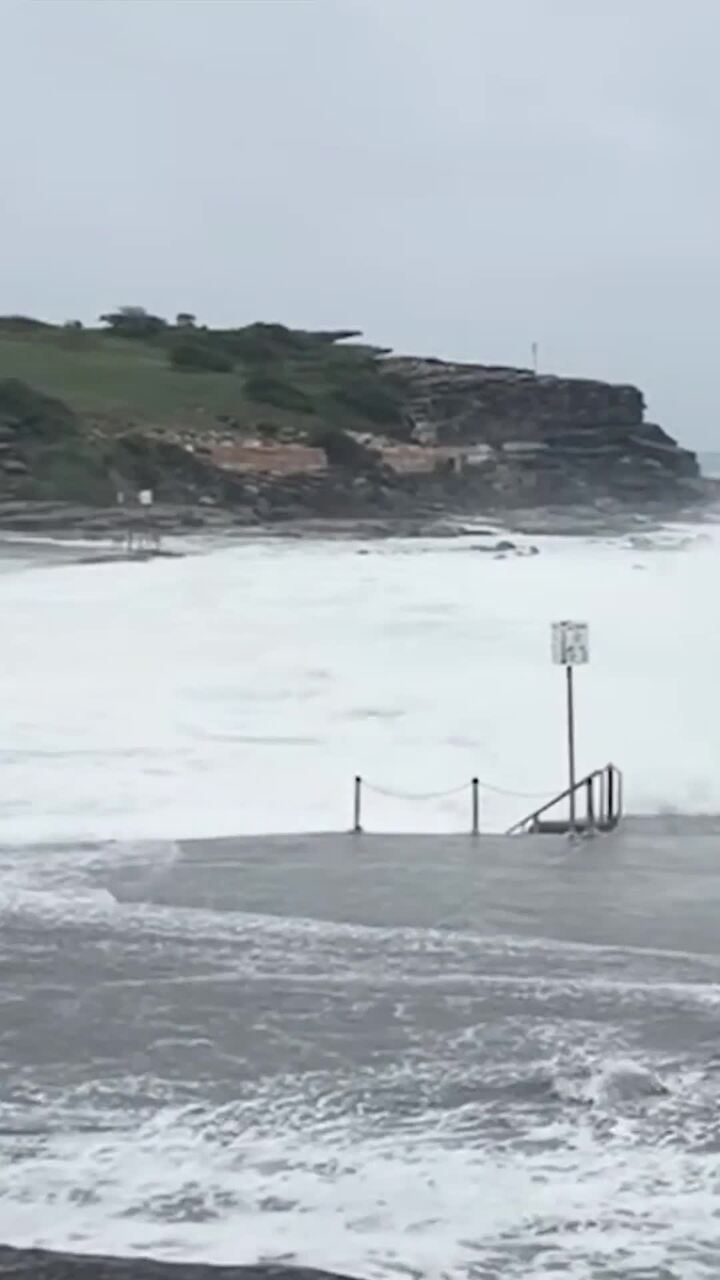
<point>191,354</point>
<point>276,391</point>
<point>372,396</point>
<point>31,413</point>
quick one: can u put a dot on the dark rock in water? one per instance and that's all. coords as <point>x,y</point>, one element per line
<point>496,547</point>
<point>39,1264</point>
<point>141,555</point>
<point>504,547</point>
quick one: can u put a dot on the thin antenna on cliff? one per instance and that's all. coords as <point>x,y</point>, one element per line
<point>535,357</point>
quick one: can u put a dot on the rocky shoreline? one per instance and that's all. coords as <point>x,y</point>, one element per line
<point>41,1264</point>
<point>65,522</point>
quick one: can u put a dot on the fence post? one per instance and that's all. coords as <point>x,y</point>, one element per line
<point>611,796</point>
<point>357,806</point>
<point>590,803</point>
<point>475,788</point>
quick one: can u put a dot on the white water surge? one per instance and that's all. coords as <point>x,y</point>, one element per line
<point>240,691</point>
<point>189,1077</point>
<point>440,1059</point>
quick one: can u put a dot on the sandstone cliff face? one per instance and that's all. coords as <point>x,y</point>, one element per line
<point>543,436</point>
<point>465,439</point>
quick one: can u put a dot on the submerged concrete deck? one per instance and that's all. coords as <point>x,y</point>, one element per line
<point>638,884</point>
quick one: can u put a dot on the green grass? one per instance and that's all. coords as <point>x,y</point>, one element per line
<point>72,401</point>
<point>300,383</point>
<point>104,375</point>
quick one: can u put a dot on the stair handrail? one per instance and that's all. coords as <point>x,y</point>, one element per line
<point>613,799</point>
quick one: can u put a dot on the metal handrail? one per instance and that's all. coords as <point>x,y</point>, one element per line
<point>611,801</point>
<point>562,795</point>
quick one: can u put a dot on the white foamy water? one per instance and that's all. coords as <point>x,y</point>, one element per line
<point>444,1058</point>
<point>240,691</point>
<point>567,1200</point>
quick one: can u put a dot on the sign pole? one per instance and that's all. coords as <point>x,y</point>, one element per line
<point>571,648</point>
<point>571,745</point>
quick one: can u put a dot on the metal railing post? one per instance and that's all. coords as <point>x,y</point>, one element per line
<point>357,806</point>
<point>590,802</point>
<point>475,788</point>
<point>610,795</point>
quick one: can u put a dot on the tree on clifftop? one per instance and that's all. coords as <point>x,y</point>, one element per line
<point>133,322</point>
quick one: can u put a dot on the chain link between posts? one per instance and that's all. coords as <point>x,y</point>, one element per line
<point>416,795</point>
<point>454,791</point>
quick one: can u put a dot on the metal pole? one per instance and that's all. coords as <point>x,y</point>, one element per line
<point>475,806</point>
<point>571,745</point>
<point>357,811</point>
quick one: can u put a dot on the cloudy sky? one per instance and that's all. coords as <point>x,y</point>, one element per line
<point>453,177</point>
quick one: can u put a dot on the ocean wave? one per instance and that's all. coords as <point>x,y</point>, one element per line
<point>201,1185</point>
<point>183,665</point>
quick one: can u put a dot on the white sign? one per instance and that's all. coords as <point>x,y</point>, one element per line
<point>145,497</point>
<point>570,643</point>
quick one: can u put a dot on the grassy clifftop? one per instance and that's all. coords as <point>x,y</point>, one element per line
<point>186,376</point>
<point>88,412</point>
<point>138,402</point>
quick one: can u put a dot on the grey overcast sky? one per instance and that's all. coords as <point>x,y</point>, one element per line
<point>453,177</point>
